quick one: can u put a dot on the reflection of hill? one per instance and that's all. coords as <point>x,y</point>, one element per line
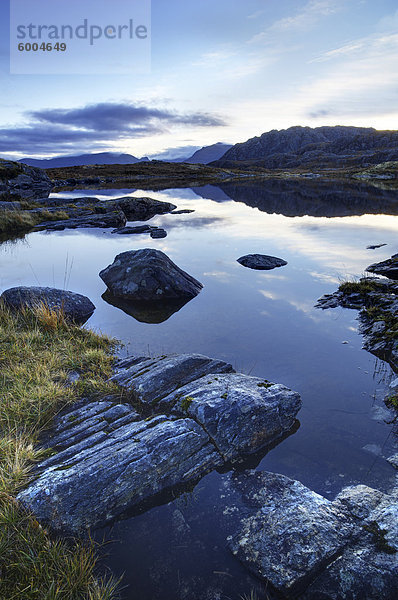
<point>313,198</point>
<point>212,192</point>
<point>146,312</point>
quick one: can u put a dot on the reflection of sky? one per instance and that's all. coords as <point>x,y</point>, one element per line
<point>264,323</point>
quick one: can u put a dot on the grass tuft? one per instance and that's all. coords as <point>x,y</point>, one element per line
<point>38,348</point>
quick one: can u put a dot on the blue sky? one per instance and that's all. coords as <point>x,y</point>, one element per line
<point>222,70</point>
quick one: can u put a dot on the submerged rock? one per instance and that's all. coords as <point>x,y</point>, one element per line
<point>148,275</point>
<point>111,457</point>
<point>388,268</point>
<point>261,261</point>
<point>75,307</point>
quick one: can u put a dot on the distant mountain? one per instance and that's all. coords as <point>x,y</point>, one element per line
<point>312,148</point>
<point>208,154</point>
<point>101,158</point>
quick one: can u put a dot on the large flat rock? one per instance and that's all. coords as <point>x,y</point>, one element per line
<point>388,268</point>
<point>110,456</point>
<point>150,380</point>
<point>241,414</point>
<point>287,533</point>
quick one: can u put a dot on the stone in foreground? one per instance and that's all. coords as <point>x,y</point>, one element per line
<point>288,532</point>
<point>310,547</point>
<point>142,209</point>
<point>75,307</point>
<point>261,262</point>
<point>112,456</point>
<point>147,275</point>
<point>388,268</point>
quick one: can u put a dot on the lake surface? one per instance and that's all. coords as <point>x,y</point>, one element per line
<point>264,323</point>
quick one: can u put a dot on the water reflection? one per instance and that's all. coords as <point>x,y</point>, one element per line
<point>146,312</point>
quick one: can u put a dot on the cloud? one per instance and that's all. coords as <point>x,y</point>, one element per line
<point>176,152</point>
<point>303,20</point>
<point>95,126</point>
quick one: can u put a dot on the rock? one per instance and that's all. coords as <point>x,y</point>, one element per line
<point>111,219</point>
<point>136,229</point>
<point>10,205</point>
<point>393,460</point>
<point>374,246</point>
<point>143,209</point>
<point>377,300</point>
<point>115,465</point>
<point>360,500</point>
<point>147,275</point>
<point>158,233</point>
<point>261,261</point>
<point>388,268</point>
<point>27,182</point>
<point>146,312</point>
<point>182,211</point>
<point>150,380</point>
<point>309,547</point>
<point>286,533</point>
<point>111,457</point>
<point>76,307</point>
<point>241,414</point>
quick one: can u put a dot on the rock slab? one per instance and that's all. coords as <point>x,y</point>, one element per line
<point>111,457</point>
<point>388,268</point>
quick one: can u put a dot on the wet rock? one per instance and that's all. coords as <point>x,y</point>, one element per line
<point>388,268</point>
<point>241,414</point>
<point>393,460</point>
<point>360,500</point>
<point>261,261</point>
<point>143,209</point>
<point>151,380</point>
<point>374,246</point>
<point>76,307</point>
<point>147,275</point>
<point>285,532</point>
<point>182,211</point>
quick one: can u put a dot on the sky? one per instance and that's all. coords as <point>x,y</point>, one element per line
<point>221,70</point>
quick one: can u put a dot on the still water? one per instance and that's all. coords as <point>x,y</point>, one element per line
<point>264,323</point>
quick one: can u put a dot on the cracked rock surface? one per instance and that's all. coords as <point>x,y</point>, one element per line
<point>110,456</point>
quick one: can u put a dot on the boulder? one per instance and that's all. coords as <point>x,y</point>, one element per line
<point>76,307</point>
<point>158,233</point>
<point>261,262</point>
<point>142,209</point>
<point>388,268</point>
<point>147,275</point>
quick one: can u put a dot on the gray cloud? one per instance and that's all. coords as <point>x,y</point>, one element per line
<point>95,126</point>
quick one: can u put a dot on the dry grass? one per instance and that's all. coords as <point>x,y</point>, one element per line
<point>38,348</point>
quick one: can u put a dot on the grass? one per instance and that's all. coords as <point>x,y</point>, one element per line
<point>363,286</point>
<point>38,348</point>
<point>14,221</point>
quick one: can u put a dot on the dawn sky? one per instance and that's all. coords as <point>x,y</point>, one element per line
<point>222,70</point>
